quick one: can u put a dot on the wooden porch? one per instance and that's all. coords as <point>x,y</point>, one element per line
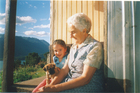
<point>27,86</point>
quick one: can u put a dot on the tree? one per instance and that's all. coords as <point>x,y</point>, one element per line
<point>17,63</point>
<point>32,59</point>
<point>45,56</point>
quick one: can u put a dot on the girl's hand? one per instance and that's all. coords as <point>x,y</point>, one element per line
<point>48,88</point>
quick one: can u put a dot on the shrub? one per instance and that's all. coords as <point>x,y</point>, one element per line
<point>32,59</point>
<point>21,74</point>
<point>26,73</point>
<point>1,73</point>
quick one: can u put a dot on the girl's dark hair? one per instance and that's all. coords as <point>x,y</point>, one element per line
<point>62,43</point>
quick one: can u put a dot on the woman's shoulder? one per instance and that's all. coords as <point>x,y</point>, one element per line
<point>92,41</point>
<point>96,43</point>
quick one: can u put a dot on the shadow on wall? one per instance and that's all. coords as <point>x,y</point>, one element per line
<point>112,84</point>
<point>99,6</point>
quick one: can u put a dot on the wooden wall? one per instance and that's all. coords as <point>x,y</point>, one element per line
<point>63,9</point>
<point>123,43</point>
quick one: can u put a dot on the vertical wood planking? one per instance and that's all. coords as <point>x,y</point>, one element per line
<point>115,54</point>
<point>85,7</point>
<point>56,21</point>
<point>64,21</point>
<point>64,9</point>
<point>79,7</point>
<point>74,8</point>
<point>101,21</point>
<point>74,11</point>
<point>105,40</point>
<point>52,27</point>
<point>90,14</point>
<point>69,13</point>
<point>93,8</point>
<point>60,22</point>
<point>137,45</point>
<point>96,30</point>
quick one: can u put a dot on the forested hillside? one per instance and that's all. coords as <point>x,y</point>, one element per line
<point>26,45</point>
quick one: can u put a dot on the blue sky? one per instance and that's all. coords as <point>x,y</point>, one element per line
<point>32,19</point>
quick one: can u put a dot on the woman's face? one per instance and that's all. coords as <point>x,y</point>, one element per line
<point>59,51</point>
<point>77,35</point>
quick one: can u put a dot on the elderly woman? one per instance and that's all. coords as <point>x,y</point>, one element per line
<point>83,71</point>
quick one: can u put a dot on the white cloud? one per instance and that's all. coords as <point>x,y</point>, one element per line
<point>42,26</point>
<point>25,19</point>
<point>30,5</point>
<point>29,32</point>
<point>19,20</point>
<point>35,7</point>
<point>2,30</point>
<point>2,18</point>
<point>43,5</point>
<point>41,33</point>
<point>2,15</point>
<point>49,19</point>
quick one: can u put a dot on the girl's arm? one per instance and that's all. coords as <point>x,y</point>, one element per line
<point>77,82</point>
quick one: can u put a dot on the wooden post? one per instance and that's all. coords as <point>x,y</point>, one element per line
<point>9,45</point>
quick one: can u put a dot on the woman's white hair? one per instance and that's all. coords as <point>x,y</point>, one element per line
<point>80,21</point>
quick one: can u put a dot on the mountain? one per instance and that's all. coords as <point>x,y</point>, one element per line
<point>26,45</point>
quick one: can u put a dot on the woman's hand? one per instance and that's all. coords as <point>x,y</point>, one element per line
<point>48,88</point>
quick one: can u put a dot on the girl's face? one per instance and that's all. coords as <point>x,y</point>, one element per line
<point>59,51</point>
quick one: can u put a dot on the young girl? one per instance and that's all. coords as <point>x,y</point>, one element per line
<point>60,51</point>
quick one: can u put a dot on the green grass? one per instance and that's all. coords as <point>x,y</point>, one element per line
<point>25,73</point>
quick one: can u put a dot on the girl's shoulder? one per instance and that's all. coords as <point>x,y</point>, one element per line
<point>55,59</point>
